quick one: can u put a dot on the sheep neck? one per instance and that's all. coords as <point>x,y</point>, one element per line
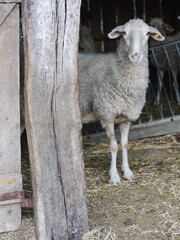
<point>136,75</point>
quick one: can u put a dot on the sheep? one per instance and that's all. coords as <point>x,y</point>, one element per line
<point>86,42</point>
<point>159,24</point>
<point>113,86</point>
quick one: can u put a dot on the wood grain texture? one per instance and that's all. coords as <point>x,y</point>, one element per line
<point>53,124</point>
<point>10,1</point>
<point>10,160</point>
<point>9,93</point>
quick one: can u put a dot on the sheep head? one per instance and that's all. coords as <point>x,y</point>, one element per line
<point>135,35</point>
<point>159,24</point>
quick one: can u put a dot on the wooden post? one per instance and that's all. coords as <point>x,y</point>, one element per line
<point>53,124</point>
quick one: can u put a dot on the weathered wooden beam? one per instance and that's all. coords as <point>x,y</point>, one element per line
<point>53,124</point>
<point>150,129</point>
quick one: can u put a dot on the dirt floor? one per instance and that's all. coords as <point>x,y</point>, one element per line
<point>147,208</point>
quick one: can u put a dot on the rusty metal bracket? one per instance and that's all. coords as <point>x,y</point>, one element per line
<point>25,202</point>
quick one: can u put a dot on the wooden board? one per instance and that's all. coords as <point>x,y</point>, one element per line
<point>10,166</point>
<point>10,1</point>
<point>150,129</point>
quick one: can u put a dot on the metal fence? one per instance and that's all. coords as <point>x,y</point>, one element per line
<point>161,113</point>
<point>166,60</point>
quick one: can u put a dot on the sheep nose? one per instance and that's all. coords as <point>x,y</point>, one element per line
<point>135,56</point>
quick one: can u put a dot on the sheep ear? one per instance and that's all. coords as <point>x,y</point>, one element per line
<point>155,34</point>
<point>117,32</point>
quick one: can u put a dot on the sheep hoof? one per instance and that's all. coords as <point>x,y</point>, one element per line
<point>128,175</point>
<point>114,178</point>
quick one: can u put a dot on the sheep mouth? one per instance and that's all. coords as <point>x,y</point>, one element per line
<point>136,62</point>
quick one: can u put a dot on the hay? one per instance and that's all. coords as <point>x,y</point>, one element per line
<point>25,232</point>
<point>145,208</point>
<point>100,233</point>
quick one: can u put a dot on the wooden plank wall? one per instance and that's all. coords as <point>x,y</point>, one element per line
<point>105,15</point>
<point>10,155</point>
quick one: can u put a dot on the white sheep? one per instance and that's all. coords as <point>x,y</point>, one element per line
<point>113,86</point>
<point>159,24</point>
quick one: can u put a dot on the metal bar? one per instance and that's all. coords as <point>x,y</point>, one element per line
<point>144,10</point>
<point>157,66</point>
<point>160,8</point>
<point>171,90</point>
<point>26,203</point>
<point>12,195</point>
<point>17,195</point>
<point>149,102</point>
<point>172,74</point>
<point>177,48</point>
<point>165,44</point>
<point>134,9</point>
<point>159,75</point>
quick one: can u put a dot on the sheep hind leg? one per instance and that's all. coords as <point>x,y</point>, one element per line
<point>113,173</point>
<point>124,130</point>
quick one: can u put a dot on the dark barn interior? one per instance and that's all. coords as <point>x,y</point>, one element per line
<point>101,16</point>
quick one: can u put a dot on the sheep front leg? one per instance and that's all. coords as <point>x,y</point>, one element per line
<point>113,173</point>
<point>124,130</point>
